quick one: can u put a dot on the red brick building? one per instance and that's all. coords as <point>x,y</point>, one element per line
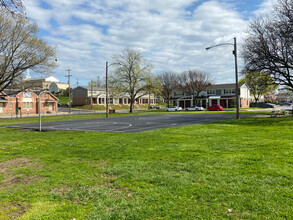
<point>14,102</point>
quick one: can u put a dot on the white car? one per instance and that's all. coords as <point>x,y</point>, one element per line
<point>173,109</point>
<point>194,108</point>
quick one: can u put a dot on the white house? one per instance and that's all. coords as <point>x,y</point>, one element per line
<point>221,94</point>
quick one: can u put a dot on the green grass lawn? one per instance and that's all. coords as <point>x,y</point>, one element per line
<point>234,169</point>
<point>63,100</point>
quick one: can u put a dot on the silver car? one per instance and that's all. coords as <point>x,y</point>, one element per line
<point>194,108</point>
<point>173,109</point>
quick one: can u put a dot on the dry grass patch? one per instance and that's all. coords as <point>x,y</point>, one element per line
<point>12,211</point>
<point>11,170</point>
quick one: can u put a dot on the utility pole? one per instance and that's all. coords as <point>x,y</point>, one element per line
<point>77,83</point>
<point>91,94</point>
<point>69,91</point>
<point>236,79</point>
<point>98,82</point>
<point>107,104</point>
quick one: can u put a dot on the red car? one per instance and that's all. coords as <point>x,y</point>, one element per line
<point>215,108</point>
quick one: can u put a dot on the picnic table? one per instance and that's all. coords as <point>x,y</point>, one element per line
<point>280,112</point>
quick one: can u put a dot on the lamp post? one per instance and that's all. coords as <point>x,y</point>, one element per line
<point>236,73</point>
<point>40,119</point>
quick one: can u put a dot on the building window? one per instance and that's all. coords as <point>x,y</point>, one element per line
<point>27,103</point>
<point>10,105</point>
<point>229,91</point>
<point>211,92</point>
<point>178,93</point>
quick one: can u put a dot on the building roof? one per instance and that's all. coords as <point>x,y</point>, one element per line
<point>46,79</point>
<point>15,92</point>
<point>94,88</point>
<point>52,79</point>
<point>11,92</point>
<point>3,99</point>
<point>224,86</point>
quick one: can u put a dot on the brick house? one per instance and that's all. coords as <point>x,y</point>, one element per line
<point>13,102</point>
<point>221,94</point>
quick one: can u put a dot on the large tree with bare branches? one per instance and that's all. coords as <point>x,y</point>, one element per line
<point>169,83</point>
<point>21,49</point>
<point>12,6</point>
<point>131,75</point>
<point>268,48</point>
<point>194,81</point>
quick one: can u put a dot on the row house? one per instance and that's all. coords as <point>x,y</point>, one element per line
<point>85,95</point>
<point>221,94</point>
<point>283,97</point>
<point>14,102</point>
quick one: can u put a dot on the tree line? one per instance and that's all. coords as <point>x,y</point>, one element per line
<point>268,50</point>
<point>132,77</point>
<point>267,54</point>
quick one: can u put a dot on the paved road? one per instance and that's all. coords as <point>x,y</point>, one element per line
<point>130,124</point>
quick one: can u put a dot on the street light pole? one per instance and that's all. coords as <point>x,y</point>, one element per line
<point>40,119</point>
<point>236,73</point>
<point>236,79</point>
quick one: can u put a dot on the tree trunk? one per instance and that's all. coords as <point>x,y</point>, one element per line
<point>131,106</point>
<point>256,98</point>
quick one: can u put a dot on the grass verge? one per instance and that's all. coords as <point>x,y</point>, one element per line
<point>233,169</point>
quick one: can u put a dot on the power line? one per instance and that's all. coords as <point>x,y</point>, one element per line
<point>216,59</point>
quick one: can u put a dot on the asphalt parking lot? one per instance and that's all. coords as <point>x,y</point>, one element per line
<point>129,124</point>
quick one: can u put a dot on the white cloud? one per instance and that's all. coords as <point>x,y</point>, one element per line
<point>89,32</point>
<point>265,7</point>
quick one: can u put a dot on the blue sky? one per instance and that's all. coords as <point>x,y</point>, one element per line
<point>171,34</point>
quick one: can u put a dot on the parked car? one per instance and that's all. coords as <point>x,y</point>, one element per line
<point>173,109</point>
<point>215,108</point>
<point>270,105</point>
<point>194,108</point>
<point>155,107</point>
<point>263,105</point>
<point>286,104</point>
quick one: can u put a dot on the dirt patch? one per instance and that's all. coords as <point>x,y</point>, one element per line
<point>8,168</point>
<point>13,211</point>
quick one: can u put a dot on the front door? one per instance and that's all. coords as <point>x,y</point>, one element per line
<point>50,107</point>
<point>1,108</point>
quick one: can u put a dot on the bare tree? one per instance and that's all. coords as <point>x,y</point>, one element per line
<point>169,83</point>
<point>154,86</point>
<point>269,46</point>
<point>194,81</point>
<point>131,75</point>
<point>12,6</point>
<point>21,49</point>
